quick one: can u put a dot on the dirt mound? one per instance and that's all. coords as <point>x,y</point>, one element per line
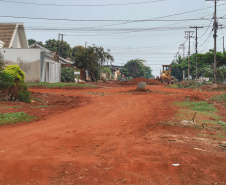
<point>43,104</point>
<point>135,81</point>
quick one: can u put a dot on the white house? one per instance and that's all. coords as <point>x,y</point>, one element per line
<point>37,63</point>
<point>13,35</point>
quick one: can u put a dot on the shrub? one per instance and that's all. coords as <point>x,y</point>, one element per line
<point>6,80</point>
<point>6,85</point>
<point>16,72</point>
<point>11,82</point>
<point>24,96</point>
<point>67,74</point>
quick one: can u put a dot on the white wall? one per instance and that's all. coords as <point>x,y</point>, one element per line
<point>16,42</point>
<point>27,59</point>
<point>54,72</point>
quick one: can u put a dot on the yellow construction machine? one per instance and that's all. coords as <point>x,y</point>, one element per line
<point>165,75</point>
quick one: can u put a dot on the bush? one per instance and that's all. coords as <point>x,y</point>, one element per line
<point>11,82</point>
<point>6,80</point>
<point>24,96</point>
<point>15,72</point>
<point>6,85</point>
<point>67,74</point>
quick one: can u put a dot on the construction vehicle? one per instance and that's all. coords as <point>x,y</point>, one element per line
<point>165,75</point>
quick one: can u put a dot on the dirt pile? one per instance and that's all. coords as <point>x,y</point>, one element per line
<point>43,104</point>
<point>135,81</point>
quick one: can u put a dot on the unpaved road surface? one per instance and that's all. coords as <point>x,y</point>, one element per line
<point>117,138</point>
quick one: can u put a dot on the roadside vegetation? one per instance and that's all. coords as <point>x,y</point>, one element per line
<point>220,98</point>
<point>67,74</point>
<point>58,85</point>
<point>201,115</point>
<point>136,68</point>
<point>9,118</point>
<point>12,86</point>
<point>205,69</point>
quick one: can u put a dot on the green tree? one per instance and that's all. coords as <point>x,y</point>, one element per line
<point>92,59</point>
<point>53,45</point>
<point>148,72</point>
<point>136,68</point>
<point>75,49</point>
<point>205,64</point>
<point>124,72</point>
<point>33,41</point>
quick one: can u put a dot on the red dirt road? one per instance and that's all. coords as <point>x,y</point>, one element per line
<point>116,138</point>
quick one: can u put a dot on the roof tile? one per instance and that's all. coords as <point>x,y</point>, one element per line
<point>6,33</point>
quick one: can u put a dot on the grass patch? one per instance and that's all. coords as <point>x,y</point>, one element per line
<point>59,84</point>
<point>173,85</point>
<point>205,115</point>
<point>197,106</point>
<point>42,106</point>
<point>14,107</point>
<point>15,118</point>
<point>220,98</point>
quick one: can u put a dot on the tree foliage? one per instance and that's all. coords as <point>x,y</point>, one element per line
<point>33,41</point>
<point>136,68</point>
<point>67,74</point>
<point>205,65</point>
<point>53,45</point>
<point>65,49</point>
<point>92,59</point>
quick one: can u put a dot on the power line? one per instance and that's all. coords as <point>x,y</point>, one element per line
<point>80,5</point>
<point>89,20</point>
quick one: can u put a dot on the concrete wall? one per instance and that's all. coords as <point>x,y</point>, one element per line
<point>16,42</point>
<point>54,72</point>
<point>27,59</point>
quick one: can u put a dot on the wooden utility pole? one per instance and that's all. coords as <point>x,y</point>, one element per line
<point>215,27</point>
<point>223,45</point>
<point>188,33</point>
<point>58,47</point>
<point>196,48</point>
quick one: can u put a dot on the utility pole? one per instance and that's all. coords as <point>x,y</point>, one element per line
<point>58,47</point>
<point>215,42</point>
<point>188,33</point>
<point>223,45</point>
<point>215,27</point>
<point>62,40</point>
<point>196,48</point>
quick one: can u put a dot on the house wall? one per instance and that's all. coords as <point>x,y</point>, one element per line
<point>27,59</point>
<point>54,72</point>
<point>16,41</point>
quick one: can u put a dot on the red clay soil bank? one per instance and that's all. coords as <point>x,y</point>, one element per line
<point>135,81</point>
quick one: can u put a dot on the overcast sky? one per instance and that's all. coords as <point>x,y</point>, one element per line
<point>151,30</point>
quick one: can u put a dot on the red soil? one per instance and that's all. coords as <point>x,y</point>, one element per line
<point>116,137</point>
